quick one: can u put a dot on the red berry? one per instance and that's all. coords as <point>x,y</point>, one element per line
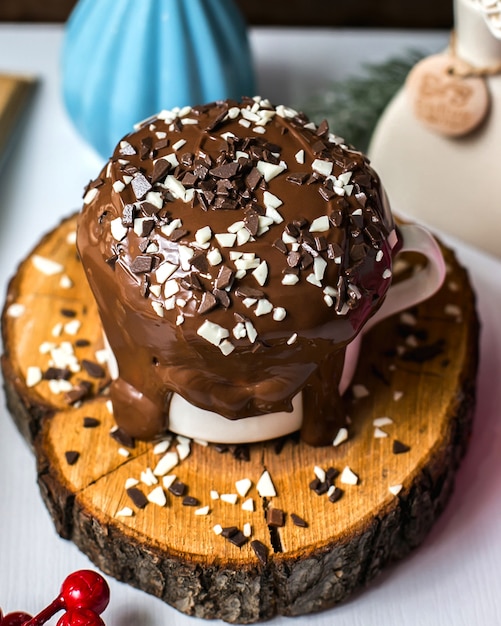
<point>15,619</point>
<point>80,617</point>
<point>85,589</point>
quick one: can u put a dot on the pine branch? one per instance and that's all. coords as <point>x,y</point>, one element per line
<point>353,106</point>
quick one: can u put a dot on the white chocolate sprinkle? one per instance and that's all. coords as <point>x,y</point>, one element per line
<point>247,530</point>
<point>33,376</point>
<point>379,433</point>
<point>218,529</point>
<point>348,477</point>
<point>230,498</point>
<point>382,421</point>
<point>271,201</point>
<point>320,224</point>
<point>270,170</point>
<point>214,495</point>
<point>16,310</point>
<point>292,339</point>
<point>324,168</point>
<point>204,510</point>
<point>265,486</point>
<point>264,307</point>
<point>299,156</point>
<point>360,391</point>
<point>319,473</point>
<point>395,489</point>
<point>131,482</point>
<point>242,486</point>
<point>118,230</point>
<point>125,512</point>
<point>90,195</point>
<point>341,437</point>
<point>168,480</point>
<point>248,505</point>
<point>290,279</point>
<point>65,282</point>
<point>157,496</point>
<point>166,463</point>
<point>279,314</point>
<point>46,266</point>
<point>226,240</point>
<point>261,273</point>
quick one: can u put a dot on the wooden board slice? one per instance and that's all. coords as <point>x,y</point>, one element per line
<point>417,369</point>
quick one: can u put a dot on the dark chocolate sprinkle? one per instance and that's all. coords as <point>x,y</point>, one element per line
<point>227,170</point>
<point>331,474</point>
<point>93,369</point>
<point>260,550</point>
<point>128,215</point>
<point>200,263</point>
<point>79,392</point>
<point>229,531</point>
<point>224,278</point>
<point>208,303</point>
<point>137,497</point>
<point>126,149</point>
<point>399,447</point>
<point>82,343</point>
<point>177,234</point>
<point>238,539</point>
<point>298,521</point>
<point>57,373</point>
<point>90,422</point>
<point>71,456</point>
<point>122,437</point>
<point>68,313</point>
<point>336,495</point>
<point>190,501</point>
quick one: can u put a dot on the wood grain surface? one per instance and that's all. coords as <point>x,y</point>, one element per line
<point>417,369</point>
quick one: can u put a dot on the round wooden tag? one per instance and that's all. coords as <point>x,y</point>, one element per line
<point>444,99</point>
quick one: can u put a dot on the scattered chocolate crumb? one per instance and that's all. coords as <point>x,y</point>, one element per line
<point>137,497</point>
<point>275,517</point>
<point>260,550</point>
<point>177,488</point>
<point>90,422</point>
<point>298,521</point>
<point>399,447</point>
<point>336,495</point>
<point>72,456</point>
<point>79,392</point>
<point>57,373</point>
<point>68,312</point>
<point>190,501</point>
<point>122,437</point>
<point>82,343</point>
<point>241,452</point>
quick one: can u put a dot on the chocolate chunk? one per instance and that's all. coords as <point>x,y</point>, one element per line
<point>319,487</point>
<point>323,128</point>
<point>160,170</point>
<point>321,243</point>
<point>399,447</point>
<point>71,456</point>
<point>161,144</point>
<point>177,234</point>
<point>292,230</point>
<point>253,179</point>
<point>200,263</point>
<point>334,251</point>
<point>244,291</point>
<point>147,225</point>
<point>226,170</point>
<point>90,422</point>
<point>140,185</point>
<point>326,193</point>
<point>149,210</point>
<point>208,303</point>
<point>358,251</point>
<point>222,297</point>
<point>146,144</point>
<point>177,488</point>
<point>224,278</point>
<point>318,147</point>
<point>280,246</point>
<point>137,497</point>
<point>218,119</point>
<point>251,222</point>
<point>141,264</point>
<point>260,550</point>
<point>122,437</point>
<point>93,369</point>
<point>275,517</point>
<point>306,260</point>
<point>298,521</point>
<point>297,178</point>
<point>336,218</point>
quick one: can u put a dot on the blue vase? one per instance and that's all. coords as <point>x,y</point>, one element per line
<point>124,60</point>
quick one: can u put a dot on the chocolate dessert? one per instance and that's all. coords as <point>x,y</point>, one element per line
<point>234,250</point>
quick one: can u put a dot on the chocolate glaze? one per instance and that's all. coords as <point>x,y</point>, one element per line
<point>155,338</point>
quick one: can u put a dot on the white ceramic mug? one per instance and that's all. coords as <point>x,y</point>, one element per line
<point>191,421</point>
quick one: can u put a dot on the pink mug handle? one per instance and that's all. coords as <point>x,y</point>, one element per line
<point>405,294</point>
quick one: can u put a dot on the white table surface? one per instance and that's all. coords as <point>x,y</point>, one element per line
<point>453,579</point>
